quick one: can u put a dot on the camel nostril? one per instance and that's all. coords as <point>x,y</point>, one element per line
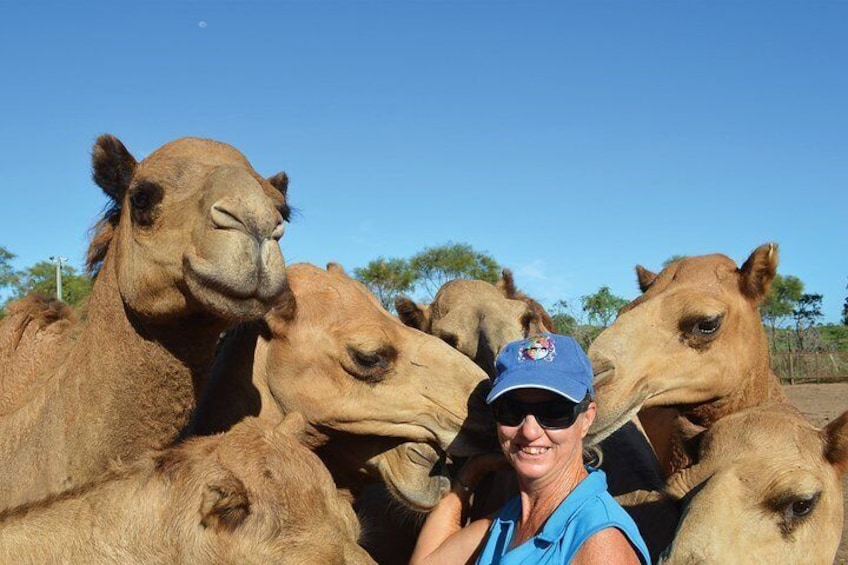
<point>223,218</point>
<point>278,231</point>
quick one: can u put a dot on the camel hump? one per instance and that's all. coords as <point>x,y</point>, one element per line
<point>31,339</point>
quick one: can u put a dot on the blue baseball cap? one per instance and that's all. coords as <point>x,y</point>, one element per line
<point>547,361</point>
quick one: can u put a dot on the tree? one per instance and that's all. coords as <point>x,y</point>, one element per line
<point>41,277</point>
<point>602,307</point>
<point>780,303</point>
<point>807,311</point>
<point>435,266</point>
<point>845,310</point>
<point>386,278</point>
<point>564,320</point>
<point>8,276</point>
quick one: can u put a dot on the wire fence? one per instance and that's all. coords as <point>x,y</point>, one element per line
<point>810,367</point>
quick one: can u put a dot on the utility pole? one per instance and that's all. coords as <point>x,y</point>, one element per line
<point>58,260</point>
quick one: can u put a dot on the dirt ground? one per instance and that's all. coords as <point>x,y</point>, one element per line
<point>822,403</point>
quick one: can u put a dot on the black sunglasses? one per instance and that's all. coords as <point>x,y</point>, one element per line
<point>551,415</point>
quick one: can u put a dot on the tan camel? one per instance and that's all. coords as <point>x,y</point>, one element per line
<point>188,248</point>
<point>476,317</point>
<point>252,495</point>
<point>694,342</point>
<point>391,401</point>
<point>767,489</point>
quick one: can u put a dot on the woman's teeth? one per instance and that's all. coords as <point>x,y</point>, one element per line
<point>534,450</point>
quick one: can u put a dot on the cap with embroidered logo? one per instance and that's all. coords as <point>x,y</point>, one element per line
<point>546,361</point>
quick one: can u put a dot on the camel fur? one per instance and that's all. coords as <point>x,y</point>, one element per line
<point>188,247</point>
<point>252,495</point>
<point>767,488</point>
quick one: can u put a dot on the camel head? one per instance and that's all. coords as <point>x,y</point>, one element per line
<point>693,336</point>
<point>767,489</point>
<point>372,386</point>
<point>476,317</point>
<point>191,229</point>
<point>263,496</point>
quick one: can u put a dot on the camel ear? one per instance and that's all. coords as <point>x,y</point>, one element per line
<point>280,181</point>
<point>758,271</point>
<point>413,315</point>
<point>282,312</point>
<point>112,166</point>
<point>507,284</point>
<point>225,504</point>
<point>335,268</point>
<point>645,277</point>
<point>835,436</point>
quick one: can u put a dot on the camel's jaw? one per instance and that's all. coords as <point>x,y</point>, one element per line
<point>416,474</point>
<point>235,276</point>
<point>615,407</point>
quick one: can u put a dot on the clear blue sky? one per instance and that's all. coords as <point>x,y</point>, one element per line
<point>570,140</point>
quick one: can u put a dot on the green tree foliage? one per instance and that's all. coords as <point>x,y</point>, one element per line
<point>386,279</point>
<point>845,310</point>
<point>435,266</point>
<point>602,307</point>
<point>564,320</point>
<point>781,301</point>
<point>807,312</point>
<point>8,276</point>
<point>41,277</point>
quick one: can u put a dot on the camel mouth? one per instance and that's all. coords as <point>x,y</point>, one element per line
<point>424,478</point>
<point>600,430</point>
<point>225,282</point>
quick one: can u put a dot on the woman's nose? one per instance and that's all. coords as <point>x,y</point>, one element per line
<point>530,428</point>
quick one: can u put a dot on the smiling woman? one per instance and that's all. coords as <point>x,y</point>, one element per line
<point>542,400</point>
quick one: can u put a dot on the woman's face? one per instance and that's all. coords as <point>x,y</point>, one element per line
<point>537,453</point>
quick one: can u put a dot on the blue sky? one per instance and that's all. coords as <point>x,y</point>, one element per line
<point>570,140</point>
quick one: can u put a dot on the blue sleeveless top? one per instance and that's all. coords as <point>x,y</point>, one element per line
<point>588,509</point>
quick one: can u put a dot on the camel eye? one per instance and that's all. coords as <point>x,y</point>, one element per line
<point>707,326</point>
<point>794,510</point>
<point>802,507</point>
<point>144,197</point>
<point>369,366</point>
<point>698,331</point>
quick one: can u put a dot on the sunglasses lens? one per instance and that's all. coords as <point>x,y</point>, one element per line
<point>507,413</point>
<point>556,414</point>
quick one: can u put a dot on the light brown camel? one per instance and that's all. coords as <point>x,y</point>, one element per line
<point>767,489</point>
<point>476,317</point>
<point>188,248</point>
<point>692,342</point>
<point>252,495</point>
<point>391,401</point>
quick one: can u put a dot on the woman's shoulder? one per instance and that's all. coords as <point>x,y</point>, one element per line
<point>609,545</point>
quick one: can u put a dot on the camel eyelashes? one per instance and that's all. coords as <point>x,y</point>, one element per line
<point>371,366</point>
<point>698,331</point>
<point>707,326</point>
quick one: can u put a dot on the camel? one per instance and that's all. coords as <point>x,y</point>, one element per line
<point>390,401</point>
<point>690,350</point>
<point>476,317</point>
<point>767,488</point>
<point>188,248</point>
<point>255,494</point>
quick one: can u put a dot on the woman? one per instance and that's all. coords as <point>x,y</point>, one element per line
<point>542,400</point>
